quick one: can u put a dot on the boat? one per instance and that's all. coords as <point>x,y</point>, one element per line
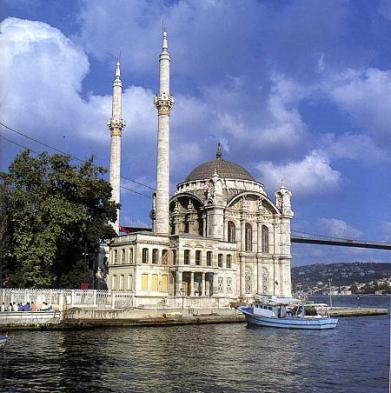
<point>288,313</point>
<point>3,340</point>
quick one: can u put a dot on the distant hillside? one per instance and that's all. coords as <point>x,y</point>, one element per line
<point>314,278</point>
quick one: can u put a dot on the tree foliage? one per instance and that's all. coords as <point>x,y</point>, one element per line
<point>53,217</point>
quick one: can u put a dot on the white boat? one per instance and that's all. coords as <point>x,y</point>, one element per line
<point>286,313</point>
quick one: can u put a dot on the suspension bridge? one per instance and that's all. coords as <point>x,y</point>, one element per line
<point>308,238</point>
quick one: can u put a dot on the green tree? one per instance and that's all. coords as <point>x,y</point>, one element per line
<point>53,217</point>
<point>354,288</point>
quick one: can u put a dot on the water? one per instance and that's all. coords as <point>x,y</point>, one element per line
<point>354,357</point>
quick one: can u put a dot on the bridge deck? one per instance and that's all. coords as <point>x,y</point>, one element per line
<point>342,243</point>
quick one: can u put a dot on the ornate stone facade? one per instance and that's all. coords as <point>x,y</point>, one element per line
<point>219,236</point>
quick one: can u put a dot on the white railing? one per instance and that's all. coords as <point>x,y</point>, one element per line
<point>69,297</point>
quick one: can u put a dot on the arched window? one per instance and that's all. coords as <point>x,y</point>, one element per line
<point>155,256</point>
<point>220,260</point>
<point>145,255</point>
<point>209,258</point>
<point>173,226</point>
<point>248,237</point>
<point>198,257</point>
<point>130,255</point>
<point>164,257</point>
<point>187,223</point>
<point>265,239</point>
<point>115,257</point>
<point>186,257</point>
<point>229,261</point>
<point>123,256</point>
<point>231,232</point>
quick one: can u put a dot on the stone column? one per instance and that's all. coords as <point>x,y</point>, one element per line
<point>275,276</point>
<point>242,262</point>
<point>204,224</point>
<point>191,283</point>
<point>259,236</point>
<point>178,282</point>
<point>242,235</point>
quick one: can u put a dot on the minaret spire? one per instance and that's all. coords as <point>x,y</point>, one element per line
<point>163,103</point>
<point>116,125</point>
<point>219,153</point>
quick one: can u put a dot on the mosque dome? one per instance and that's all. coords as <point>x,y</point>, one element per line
<point>225,169</point>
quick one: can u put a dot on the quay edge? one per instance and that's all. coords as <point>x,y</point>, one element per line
<point>82,318</point>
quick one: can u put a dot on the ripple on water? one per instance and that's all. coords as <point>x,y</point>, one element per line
<point>205,358</point>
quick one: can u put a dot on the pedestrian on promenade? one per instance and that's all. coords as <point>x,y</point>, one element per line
<point>2,308</point>
<point>26,307</point>
<point>15,307</point>
<point>10,308</point>
<point>46,307</point>
<point>20,307</point>
<point>33,306</point>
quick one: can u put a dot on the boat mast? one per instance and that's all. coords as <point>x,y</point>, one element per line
<point>331,301</point>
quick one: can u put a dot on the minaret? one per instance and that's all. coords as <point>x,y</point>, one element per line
<point>116,124</point>
<point>163,103</point>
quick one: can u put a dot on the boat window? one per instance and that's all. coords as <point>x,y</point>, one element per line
<point>269,308</point>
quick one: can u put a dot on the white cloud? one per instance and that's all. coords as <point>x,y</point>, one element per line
<point>366,96</point>
<point>42,71</point>
<point>354,147</point>
<point>311,175</point>
<point>338,228</point>
<point>43,74</point>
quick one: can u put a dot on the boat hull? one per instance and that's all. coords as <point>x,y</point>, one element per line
<point>288,323</point>
<point>3,341</point>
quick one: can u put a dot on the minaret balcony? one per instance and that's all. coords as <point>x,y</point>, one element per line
<point>164,100</point>
<point>116,123</point>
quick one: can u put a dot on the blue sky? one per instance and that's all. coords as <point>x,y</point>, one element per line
<point>299,90</point>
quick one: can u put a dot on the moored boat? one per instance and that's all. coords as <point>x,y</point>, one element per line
<point>286,313</point>
<point>3,340</point>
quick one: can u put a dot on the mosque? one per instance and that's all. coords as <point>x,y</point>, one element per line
<point>219,238</point>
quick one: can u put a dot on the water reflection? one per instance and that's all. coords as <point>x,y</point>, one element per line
<point>206,358</point>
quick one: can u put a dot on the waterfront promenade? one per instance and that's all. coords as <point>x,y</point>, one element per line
<point>90,308</point>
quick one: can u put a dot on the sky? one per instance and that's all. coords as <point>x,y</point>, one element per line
<point>298,90</point>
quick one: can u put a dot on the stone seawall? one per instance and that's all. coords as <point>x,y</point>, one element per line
<point>77,318</point>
